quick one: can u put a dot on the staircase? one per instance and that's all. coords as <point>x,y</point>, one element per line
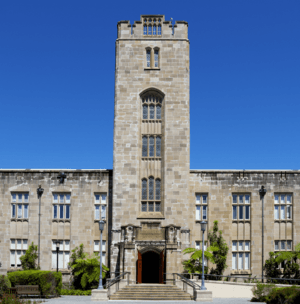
<point>151,292</point>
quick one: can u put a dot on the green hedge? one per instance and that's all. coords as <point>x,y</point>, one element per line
<point>75,292</point>
<point>287,295</point>
<point>4,284</point>
<point>49,282</point>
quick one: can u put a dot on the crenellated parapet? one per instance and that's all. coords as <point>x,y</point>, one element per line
<point>152,27</point>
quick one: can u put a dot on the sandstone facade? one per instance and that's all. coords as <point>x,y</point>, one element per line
<point>154,202</point>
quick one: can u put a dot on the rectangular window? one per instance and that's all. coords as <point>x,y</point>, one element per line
<point>144,207</point>
<point>276,199</point>
<point>234,216</point>
<point>234,261</point>
<point>61,206</point>
<point>289,212</point>
<point>55,211</point>
<point>148,58</point>
<point>247,261</point>
<point>97,212</point>
<point>157,207</point>
<point>247,212</point>
<point>241,214</point>
<point>151,207</point>
<point>103,212</point>
<point>282,213</point>
<point>276,212</point>
<point>289,245</point>
<point>67,211</point>
<point>234,199</point>
<point>13,210</point>
<point>63,254</point>
<point>17,249</point>
<point>282,245</point>
<point>241,261</point>
<point>19,211</point>
<point>61,211</point>
<point>26,211</point>
<point>241,246</point>
<point>156,58</point>
<point>97,249</point>
<point>234,245</point>
<point>276,245</point>
<point>197,245</point>
<point>201,207</point>
<point>247,246</point>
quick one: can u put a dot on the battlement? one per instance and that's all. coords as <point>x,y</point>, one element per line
<point>152,27</point>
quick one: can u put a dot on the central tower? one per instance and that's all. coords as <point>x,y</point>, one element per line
<point>151,145</point>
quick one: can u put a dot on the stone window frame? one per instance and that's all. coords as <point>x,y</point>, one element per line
<point>97,249</point>
<point>238,204</point>
<point>16,203</point>
<point>14,249</point>
<point>286,206</point>
<point>152,62</point>
<point>63,253</point>
<point>238,251</point>
<point>148,146</point>
<point>57,204</point>
<point>152,21</point>
<point>157,204</point>
<point>100,204</point>
<point>199,205</point>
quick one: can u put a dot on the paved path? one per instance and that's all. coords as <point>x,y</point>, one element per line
<point>87,299</point>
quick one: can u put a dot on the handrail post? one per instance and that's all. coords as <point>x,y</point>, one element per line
<point>174,282</point>
<point>128,278</point>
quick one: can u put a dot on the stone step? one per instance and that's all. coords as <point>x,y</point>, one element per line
<point>152,292</point>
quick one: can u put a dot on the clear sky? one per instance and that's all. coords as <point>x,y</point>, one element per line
<point>57,61</point>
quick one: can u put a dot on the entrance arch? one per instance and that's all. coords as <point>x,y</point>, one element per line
<point>150,266</point>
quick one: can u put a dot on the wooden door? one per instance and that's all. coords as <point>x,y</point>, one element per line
<point>161,268</point>
<point>139,268</point>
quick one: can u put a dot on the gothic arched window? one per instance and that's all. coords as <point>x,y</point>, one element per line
<point>152,201</point>
<point>159,30</point>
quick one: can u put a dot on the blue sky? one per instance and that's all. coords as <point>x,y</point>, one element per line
<point>57,81</point>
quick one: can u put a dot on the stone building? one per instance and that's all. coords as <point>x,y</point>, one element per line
<point>152,201</point>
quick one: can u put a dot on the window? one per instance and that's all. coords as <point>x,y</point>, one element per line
<point>61,206</point>
<point>283,207</point>
<point>152,58</point>
<point>151,195</point>
<point>100,206</point>
<point>19,205</point>
<point>241,207</point>
<point>201,207</point>
<point>148,58</point>
<point>152,107</point>
<point>18,248</point>
<point>152,27</point>
<point>156,58</point>
<point>63,254</point>
<point>240,255</point>
<point>154,147</point>
<point>97,249</point>
<point>283,245</point>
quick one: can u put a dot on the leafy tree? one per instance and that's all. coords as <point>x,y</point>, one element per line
<point>271,267</point>
<point>88,269</point>
<point>194,263</point>
<point>85,269</point>
<point>77,253</point>
<point>28,260</point>
<point>216,240</point>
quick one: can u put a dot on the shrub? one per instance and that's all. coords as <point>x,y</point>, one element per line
<point>4,284</point>
<point>49,282</point>
<point>261,292</point>
<point>75,292</point>
<point>286,295</point>
<point>12,299</point>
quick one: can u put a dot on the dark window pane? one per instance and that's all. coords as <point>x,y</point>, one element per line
<point>151,146</point>
<point>241,215</point>
<point>151,207</point>
<point>247,212</point>
<point>158,112</point>
<point>157,207</point>
<point>152,112</point>
<point>234,212</point>
<point>151,186</point>
<point>145,146</point>
<point>144,207</point>
<point>145,112</point>
<point>144,189</point>
<point>157,189</point>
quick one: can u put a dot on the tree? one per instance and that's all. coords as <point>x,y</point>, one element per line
<point>271,267</point>
<point>88,269</point>
<point>194,263</point>
<point>216,240</point>
<point>85,269</point>
<point>28,260</point>
<point>77,253</point>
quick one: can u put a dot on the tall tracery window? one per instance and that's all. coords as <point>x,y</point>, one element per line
<point>156,58</point>
<point>151,195</point>
<point>152,55</point>
<point>154,148</point>
<point>148,58</point>
<point>152,107</point>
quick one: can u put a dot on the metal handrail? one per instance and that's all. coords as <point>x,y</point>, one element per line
<point>116,280</point>
<point>185,282</point>
<point>245,278</point>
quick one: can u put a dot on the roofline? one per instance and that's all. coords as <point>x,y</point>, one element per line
<point>56,170</point>
<point>243,170</point>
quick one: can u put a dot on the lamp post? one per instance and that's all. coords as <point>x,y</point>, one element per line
<point>203,227</point>
<point>57,250</point>
<point>101,228</point>
<point>39,192</point>
<point>262,192</point>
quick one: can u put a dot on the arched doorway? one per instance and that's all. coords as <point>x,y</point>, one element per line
<point>150,267</point>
